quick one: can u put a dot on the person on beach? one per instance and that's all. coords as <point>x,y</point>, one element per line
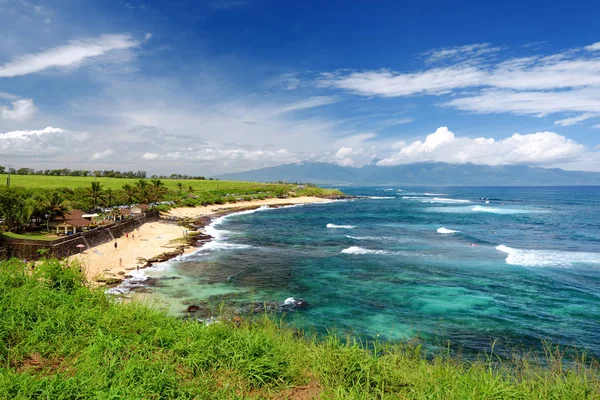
<point>115,244</point>
<point>133,236</point>
<point>120,262</point>
<point>127,235</point>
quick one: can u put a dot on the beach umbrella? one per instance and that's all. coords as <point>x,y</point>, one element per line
<point>80,246</point>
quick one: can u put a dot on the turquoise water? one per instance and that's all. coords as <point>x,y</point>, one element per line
<point>514,264</point>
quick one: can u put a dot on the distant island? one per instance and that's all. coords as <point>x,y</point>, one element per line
<point>436,174</point>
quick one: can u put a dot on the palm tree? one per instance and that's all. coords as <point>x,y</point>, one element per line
<point>95,193</point>
<point>143,192</point>
<point>158,188</point>
<point>54,206</point>
<point>109,197</point>
<point>129,193</point>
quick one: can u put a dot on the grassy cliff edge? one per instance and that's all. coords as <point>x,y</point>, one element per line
<point>61,339</point>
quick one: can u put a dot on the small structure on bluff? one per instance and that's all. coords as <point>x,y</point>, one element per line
<point>73,221</point>
<point>140,208</point>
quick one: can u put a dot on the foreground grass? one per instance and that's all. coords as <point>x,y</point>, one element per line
<point>61,340</point>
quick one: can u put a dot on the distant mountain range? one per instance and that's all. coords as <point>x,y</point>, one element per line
<point>419,174</point>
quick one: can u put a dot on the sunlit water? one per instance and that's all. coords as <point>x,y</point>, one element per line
<point>465,265</point>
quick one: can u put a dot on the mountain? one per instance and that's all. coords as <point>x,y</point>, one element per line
<point>419,174</point>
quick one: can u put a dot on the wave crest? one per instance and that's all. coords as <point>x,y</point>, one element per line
<point>334,226</point>
<point>445,230</point>
<point>547,258</point>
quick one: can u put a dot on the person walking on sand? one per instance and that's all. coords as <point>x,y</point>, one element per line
<point>115,244</point>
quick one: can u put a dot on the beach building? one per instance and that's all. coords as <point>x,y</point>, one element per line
<point>72,226</point>
<point>139,208</point>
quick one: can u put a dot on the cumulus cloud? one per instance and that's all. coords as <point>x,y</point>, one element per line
<point>102,154</point>
<point>573,120</point>
<point>568,81</point>
<point>39,143</point>
<point>541,148</point>
<point>70,55</point>
<point>21,110</point>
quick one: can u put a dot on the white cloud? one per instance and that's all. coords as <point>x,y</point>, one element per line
<point>470,51</point>
<point>21,110</point>
<point>102,154</point>
<point>69,55</point>
<point>568,81</point>
<point>537,103</point>
<point>315,101</point>
<point>541,148</point>
<point>151,156</point>
<point>593,47</point>
<point>387,83</point>
<point>39,143</point>
<point>573,120</point>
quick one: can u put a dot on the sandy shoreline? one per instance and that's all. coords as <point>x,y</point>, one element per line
<point>155,238</point>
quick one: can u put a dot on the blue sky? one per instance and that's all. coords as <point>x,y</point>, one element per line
<point>217,86</point>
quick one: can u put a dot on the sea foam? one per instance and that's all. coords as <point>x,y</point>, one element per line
<point>445,230</point>
<point>333,226</point>
<point>547,258</point>
<point>362,250</point>
<point>446,201</point>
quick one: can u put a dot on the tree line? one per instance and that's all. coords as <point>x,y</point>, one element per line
<point>21,208</point>
<point>96,173</point>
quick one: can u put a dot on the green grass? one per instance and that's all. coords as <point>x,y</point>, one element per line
<point>55,182</point>
<point>33,236</point>
<point>62,340</point>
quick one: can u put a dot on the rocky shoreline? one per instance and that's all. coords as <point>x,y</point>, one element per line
<point>197,239</point>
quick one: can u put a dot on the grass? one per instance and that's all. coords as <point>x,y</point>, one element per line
<point>31,236</point>
<point>60,339</point>
<point>55,182</point>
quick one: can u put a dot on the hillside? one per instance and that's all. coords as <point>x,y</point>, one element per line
<point>62,339</point>
<point>420,174</point>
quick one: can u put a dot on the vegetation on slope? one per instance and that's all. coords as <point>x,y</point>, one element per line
<point>60,339</point>
<point>33,201</point>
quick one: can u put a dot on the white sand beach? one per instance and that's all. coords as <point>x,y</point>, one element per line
<point>155,238</point>
<point>195,212</point>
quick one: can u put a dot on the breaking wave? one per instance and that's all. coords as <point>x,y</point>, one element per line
<point>445,230</point>
<point>547,258</point>
<point>333,226</point>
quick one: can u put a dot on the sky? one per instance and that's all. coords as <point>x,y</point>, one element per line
<point>218,86</point>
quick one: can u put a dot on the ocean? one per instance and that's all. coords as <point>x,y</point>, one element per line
<point>454,266</point>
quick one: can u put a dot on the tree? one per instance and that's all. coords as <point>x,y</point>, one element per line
<point>129,193</point>
<point>158,189</point>
<point>109,197</point>
<point>16,208</point>
<point>191,189</point>
<point>54,205</point>
<point>180,186</point>
<point>95,193</point>
<point>143,192</point>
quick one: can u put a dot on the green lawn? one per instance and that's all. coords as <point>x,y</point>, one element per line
<point>31,236</point>
<point>54,182</point>
<point>199,186</point>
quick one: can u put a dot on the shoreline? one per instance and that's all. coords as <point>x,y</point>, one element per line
<point>163,240</point>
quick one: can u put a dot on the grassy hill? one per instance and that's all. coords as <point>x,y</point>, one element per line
<point>60,339</point>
